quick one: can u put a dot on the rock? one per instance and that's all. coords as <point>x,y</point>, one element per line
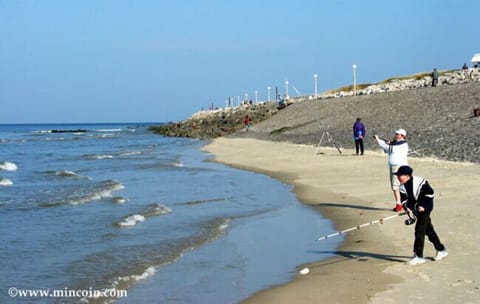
<point>216,123</point>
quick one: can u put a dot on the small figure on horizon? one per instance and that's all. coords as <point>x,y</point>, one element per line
<point>358,135</point>
<point>417,198</point>
<point>434,78</point>
<point>246,122</point>
<point>397,151</point>
<point>466,75</point>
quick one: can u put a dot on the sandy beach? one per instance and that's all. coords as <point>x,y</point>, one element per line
<point>350,190</point>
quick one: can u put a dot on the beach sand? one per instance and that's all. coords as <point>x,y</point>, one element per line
<point>350,190</point>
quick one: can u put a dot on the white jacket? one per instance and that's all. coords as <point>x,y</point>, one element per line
<point>397,152</point>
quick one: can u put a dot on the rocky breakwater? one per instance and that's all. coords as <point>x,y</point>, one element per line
<point>418,81</point>
<point>216,123</point>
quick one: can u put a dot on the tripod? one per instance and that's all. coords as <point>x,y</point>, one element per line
<point>330,140</point>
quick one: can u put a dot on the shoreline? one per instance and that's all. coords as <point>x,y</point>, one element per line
<point>349,190</point>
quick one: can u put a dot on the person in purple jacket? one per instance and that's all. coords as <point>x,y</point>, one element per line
<point>358,135</point>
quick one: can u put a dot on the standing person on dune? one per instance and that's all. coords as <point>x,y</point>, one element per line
<point>397,151</point>
<point>358,135</point>
<point>246,122</point>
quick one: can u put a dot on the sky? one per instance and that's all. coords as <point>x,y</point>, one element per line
<point>101,61</point>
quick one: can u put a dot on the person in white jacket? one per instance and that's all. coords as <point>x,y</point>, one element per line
<point>397,151</point>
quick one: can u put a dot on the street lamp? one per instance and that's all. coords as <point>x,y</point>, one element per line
<point>354,67</point>
<point>268,88</point>
<point>286,89</point>
<point>315,76</point>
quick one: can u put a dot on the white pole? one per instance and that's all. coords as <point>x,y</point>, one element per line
<point>315,76</point>
<point>286,89</point>
<point>256,96</point>
<point>354,79</point>
<point>268,88</point>
<point>381,220</point>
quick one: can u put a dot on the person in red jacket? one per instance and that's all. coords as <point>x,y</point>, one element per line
<point>246,122</point>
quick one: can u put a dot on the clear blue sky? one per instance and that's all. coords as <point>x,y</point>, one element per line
<point>151,61</point>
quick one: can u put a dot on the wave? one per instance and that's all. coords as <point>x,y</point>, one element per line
<point>131,220</point>
<point>204,201</point>
<point>130,153</point>
<point>85,195</point>
<point>5,181</point>
<point>119,199</point>
<point>122,267</point>
<point>75,131</point>
<point>152,210</point>
<point>8,166</point>
<point>67,174</point>
<point>110,130</point>
<point>178,164</point>
<point>97,156</point>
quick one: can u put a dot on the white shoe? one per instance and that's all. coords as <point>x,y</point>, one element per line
<point>440,255</point>
<point>416,261</point>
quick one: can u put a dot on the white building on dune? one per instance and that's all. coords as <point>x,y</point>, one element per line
<point>476,60</point>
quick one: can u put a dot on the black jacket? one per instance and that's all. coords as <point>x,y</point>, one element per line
<point>417,192</point>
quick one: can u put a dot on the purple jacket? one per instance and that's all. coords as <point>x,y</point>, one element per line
<point>358,130</point>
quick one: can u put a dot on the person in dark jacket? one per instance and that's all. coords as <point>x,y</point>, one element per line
<point>434,78</point>
<point>358,135</point>
<point>417,200</point>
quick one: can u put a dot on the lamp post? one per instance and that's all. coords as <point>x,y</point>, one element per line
<point>354,67</point>
<point>286,89</point>
<point>315,76</point>
<point>268,89</point>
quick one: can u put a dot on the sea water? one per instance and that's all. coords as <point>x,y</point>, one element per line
<point>102,207</point>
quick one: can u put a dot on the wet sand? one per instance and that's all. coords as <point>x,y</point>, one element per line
<point>350,190</point>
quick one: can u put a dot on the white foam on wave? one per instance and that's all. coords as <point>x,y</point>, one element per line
<point>224,225</point>
<point>131,220</point>
<point>102,190</point>
<point>5,182</point>
<point>109,130</point>
<point>119,199</point>
<point>70,174</point>
<point>152,210</point>
<point>42,131</point>
<point>156,209</point>
<point>107,135</point>
<point>8,166</point>
<point>178,164</point>
<point>122,283</point>
<point>130,153</point>
<point>99,156</point>
<point>150,271</point>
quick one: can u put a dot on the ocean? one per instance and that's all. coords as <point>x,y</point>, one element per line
<point>113,213</point>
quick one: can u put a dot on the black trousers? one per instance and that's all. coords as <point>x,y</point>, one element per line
<point>424,227</point>
<point>359,145</point>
